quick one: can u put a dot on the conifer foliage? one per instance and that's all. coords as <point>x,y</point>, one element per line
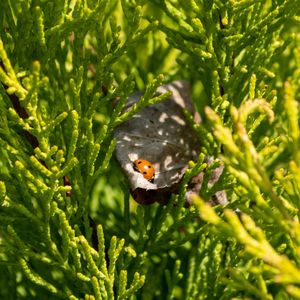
<point>68,226</point>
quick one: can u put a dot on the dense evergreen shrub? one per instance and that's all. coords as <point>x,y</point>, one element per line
<point>68,227</point>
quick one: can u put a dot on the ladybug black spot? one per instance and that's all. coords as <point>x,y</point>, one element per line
<point>144,172</point>
<point>139,162</point>
<point>149,167</point>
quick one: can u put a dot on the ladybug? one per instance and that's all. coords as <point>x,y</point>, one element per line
<point>145,168</point>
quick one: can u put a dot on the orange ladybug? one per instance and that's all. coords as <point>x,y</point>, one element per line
<point>145,168</point>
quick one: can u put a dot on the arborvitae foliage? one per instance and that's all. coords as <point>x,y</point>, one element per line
<point>68,227</point>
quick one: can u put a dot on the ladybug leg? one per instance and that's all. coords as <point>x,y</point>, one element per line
<point>152,180</point>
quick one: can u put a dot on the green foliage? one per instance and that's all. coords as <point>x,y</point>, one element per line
<point>62,66</point>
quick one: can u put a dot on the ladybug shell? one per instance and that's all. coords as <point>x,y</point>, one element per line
<point>145,168</point>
